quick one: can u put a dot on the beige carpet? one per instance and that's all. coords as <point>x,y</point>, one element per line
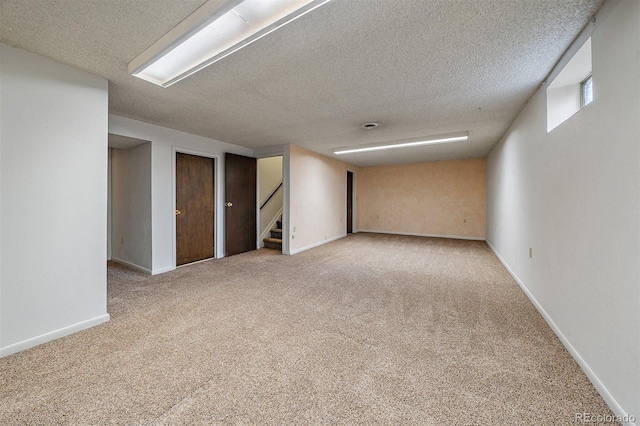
<point>370,329</point>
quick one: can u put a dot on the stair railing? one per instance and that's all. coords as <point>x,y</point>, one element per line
<point>271,196</point>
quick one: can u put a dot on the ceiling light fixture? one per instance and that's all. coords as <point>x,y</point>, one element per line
<point>213,32</point>
<point>430,141</point>
<point>369,126</point>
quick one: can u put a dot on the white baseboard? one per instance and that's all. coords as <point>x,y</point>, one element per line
<point>413,234</point>
<point>134,266</point>
<point>597,383</point>
<point>52,335</point>
<point>163,270</point>
<point>318,244</point>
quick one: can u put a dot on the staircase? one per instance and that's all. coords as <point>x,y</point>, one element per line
<point>275,241</point>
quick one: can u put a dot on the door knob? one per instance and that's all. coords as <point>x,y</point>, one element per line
<point>178,212</point>
<point>228,204</point>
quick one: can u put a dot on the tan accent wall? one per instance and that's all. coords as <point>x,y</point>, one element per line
<point>318,199</point>
<point>445,198</point>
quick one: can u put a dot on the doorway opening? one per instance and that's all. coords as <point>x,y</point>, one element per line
<point>270,198</point>
<point>349,202</point>
<point>129,202</point>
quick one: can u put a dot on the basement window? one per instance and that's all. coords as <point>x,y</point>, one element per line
<point>571,89</point>
<point>586,88</point>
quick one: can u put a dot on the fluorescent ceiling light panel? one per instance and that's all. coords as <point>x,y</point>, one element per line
<point>430,141</point>
<point>214,31</point>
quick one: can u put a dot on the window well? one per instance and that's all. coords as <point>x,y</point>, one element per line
<point>571,89</point>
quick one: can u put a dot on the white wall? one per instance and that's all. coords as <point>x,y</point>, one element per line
<point>573,196</point>
<point>317,199</point>
<point>164,144</point>
<point>269,177</point>
<point>53,187</point>
<point>131,206</point>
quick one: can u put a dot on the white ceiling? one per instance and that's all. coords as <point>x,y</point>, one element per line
<point>418,67</point>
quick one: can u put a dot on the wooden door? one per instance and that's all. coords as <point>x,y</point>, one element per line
<point>240,204</point>
<point>349,202</point>
<point>194,208</point>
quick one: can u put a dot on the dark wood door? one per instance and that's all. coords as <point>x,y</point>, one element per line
<point>349,202</point>
<point>240,204</point>
<point>194,208</point>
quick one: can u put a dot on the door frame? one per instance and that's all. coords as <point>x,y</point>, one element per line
<point>354,197</point>
<point>218,193</point>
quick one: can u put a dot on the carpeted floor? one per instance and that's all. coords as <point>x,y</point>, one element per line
<point>370,329</point>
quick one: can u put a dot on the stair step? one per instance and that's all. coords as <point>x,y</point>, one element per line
<point>273,243</point>
<point>276,233</point>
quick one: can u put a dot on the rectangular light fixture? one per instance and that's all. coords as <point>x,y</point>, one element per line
<point>213,32</point>
<point>423,141</point>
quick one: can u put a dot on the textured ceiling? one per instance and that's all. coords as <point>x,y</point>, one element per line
<point>418,67</point>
